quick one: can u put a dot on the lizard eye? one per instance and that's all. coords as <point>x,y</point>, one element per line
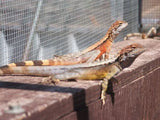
<point>109,71</point>
<point>126,54</point>
<point>133,48</point>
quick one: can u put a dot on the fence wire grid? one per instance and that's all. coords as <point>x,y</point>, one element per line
<point>39,29</point>
<point>150,14</point>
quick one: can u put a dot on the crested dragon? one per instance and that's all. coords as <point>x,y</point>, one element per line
<point>87,71</point>
<point>90,54</point>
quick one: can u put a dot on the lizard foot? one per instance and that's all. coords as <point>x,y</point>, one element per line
<point>103,98</point>
<point>104,89</point>
<point>49,80</point>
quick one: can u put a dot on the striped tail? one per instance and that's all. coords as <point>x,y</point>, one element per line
<point>5,70</point>
<point>23,70</point>
<point>141,35</point>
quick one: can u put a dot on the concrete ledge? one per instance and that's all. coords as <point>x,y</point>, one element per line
<point>135,96</point>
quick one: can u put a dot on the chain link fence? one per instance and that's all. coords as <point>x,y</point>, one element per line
<point>150,14</point>
<point>39,29</point>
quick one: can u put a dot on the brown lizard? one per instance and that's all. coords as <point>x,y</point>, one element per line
<point>104,45</point>
<point>153,32</point>
<point>90,54</point>
<point>93,71</point>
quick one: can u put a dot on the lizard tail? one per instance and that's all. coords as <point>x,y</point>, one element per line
<point>49,62</point>
<point>142,35</point>
<point>24,70</point>
<point>1,72</point>
<point>4,70</point>
<point>34,63</point>
<point>8,69</point>
<point>21,70</point>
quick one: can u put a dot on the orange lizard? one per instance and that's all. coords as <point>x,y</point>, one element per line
<point>90,54</point>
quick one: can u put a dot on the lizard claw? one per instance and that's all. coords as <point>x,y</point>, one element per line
<point>49,80</point>
<point>103,99</point>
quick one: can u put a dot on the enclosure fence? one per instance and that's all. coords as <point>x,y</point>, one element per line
<point>39,29</point>
<point>150,14</point>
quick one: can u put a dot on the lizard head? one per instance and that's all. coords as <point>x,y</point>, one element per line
<point>129,53</point>
<point>118,26</point>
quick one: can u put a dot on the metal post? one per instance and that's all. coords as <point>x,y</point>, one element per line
<point>32,30</point>
<point>140,15</point>
<point>3,50</point>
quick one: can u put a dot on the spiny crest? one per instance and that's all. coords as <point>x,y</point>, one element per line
<point>117,26</point>
<point>129,48</point>
<point>132,50</point>
<point>119,23</point>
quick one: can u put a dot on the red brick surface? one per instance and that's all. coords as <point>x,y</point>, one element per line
<point>135,97</point>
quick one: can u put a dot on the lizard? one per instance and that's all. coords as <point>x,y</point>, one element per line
<point>90,54</point>
<point>87,71</point>
<point>104,45</point>
<point>153,32</point>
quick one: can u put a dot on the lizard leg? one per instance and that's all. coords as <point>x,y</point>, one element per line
<point>93,55</point>
<point>49,80</point>
<point>104,89</point>
<point>106,56</point>
<point>102,58</point>
<point>54,80</point>
<point>152,32</point>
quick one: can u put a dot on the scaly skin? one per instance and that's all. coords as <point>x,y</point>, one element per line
<point>90,54</point>
<point>100,70</point>
<point>104,45</point>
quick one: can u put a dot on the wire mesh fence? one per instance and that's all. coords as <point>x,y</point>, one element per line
<point>150,14</point>
<point>39,29</point>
